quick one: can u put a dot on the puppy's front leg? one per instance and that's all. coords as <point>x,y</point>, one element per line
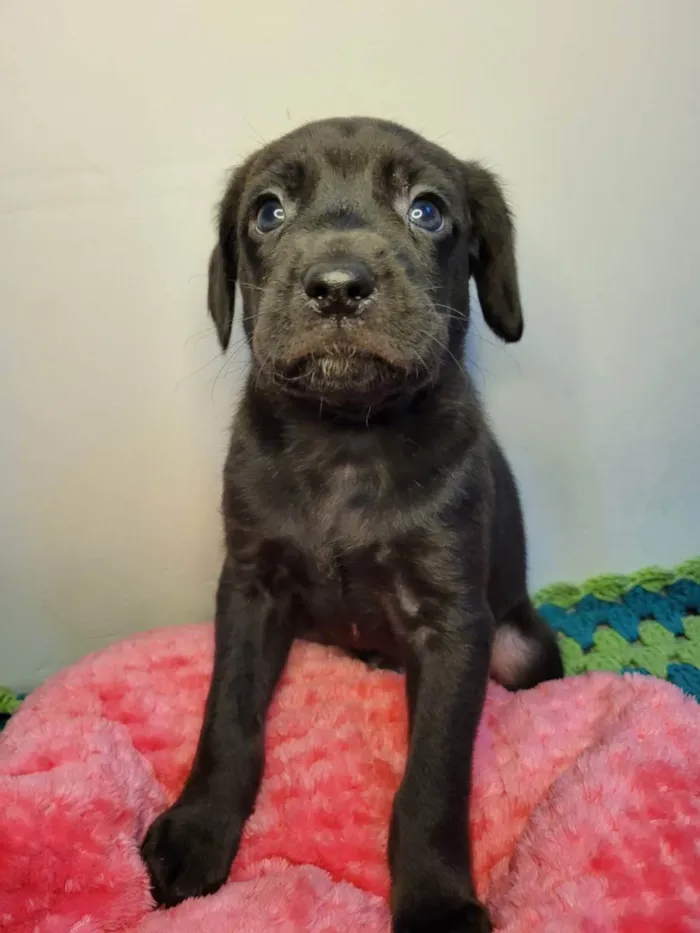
<point>189,849</point>
<point>432,887</point>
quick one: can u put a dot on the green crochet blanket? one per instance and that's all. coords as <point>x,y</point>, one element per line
<point>9,702</point>
<point>648,622</point>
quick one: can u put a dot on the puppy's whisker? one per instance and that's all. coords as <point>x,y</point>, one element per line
<point>445,349</point>
<point>226,369</point>
<point>199,335</point>
<point>474,334</point>
<point>222,369</point>
<point>263,365</point>
<point>257,288</point>
<point>234,347</point>
<point>483,338</point>
<point>259,138</point>
<point>194,372</point>
<point>454,312</point>
<point>438,139</point>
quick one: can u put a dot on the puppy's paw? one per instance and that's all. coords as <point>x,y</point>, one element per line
<point>187,853</point>
<point>437,917</point>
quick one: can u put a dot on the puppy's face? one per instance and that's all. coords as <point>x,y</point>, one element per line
<point>353,241</point>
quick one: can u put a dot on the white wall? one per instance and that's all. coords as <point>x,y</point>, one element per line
<point>118,121</point>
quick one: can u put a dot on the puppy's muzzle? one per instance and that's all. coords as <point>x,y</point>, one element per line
<point>340,288</point>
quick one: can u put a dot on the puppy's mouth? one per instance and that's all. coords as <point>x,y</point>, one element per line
<point>344,375</point>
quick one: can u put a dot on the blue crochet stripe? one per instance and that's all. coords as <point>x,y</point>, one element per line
<point>669,608</point>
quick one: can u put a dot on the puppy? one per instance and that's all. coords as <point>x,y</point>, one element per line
<point>366,503</point>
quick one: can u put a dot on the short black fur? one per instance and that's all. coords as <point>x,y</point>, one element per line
<point>366,503</point>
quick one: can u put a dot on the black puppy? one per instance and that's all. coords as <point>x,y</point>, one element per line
<point>366,503</point>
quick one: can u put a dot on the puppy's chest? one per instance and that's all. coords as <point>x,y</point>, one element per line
<point>345,502</point>
<point>347,531</point>
<point>337,510</point>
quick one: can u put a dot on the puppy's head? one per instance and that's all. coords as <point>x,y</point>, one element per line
<point>353,241</point>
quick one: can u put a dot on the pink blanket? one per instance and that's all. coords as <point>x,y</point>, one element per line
<point>585,815</point>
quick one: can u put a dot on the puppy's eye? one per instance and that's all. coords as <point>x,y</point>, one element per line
<point>426,215</point>
<point>270,215</point>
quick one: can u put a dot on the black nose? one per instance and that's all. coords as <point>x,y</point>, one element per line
<point>338,287</point>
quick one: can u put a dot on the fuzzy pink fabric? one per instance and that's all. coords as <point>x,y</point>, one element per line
<point>585,814</point>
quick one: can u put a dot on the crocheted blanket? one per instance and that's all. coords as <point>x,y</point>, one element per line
<point>647,622</point>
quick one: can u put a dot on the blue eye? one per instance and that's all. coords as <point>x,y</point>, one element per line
<point>270,215</point>
<point>426,215</point>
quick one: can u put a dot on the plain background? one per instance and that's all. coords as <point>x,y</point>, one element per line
<point>119,122</point>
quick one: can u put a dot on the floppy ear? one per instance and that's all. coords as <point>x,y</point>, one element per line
<point>493,253</point>
<point>223,264</point>
<point>220,296</point>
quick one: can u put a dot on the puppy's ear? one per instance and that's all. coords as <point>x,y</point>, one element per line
<point>223,264</point>
<point>219,297</point>
<point>493,253</point>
